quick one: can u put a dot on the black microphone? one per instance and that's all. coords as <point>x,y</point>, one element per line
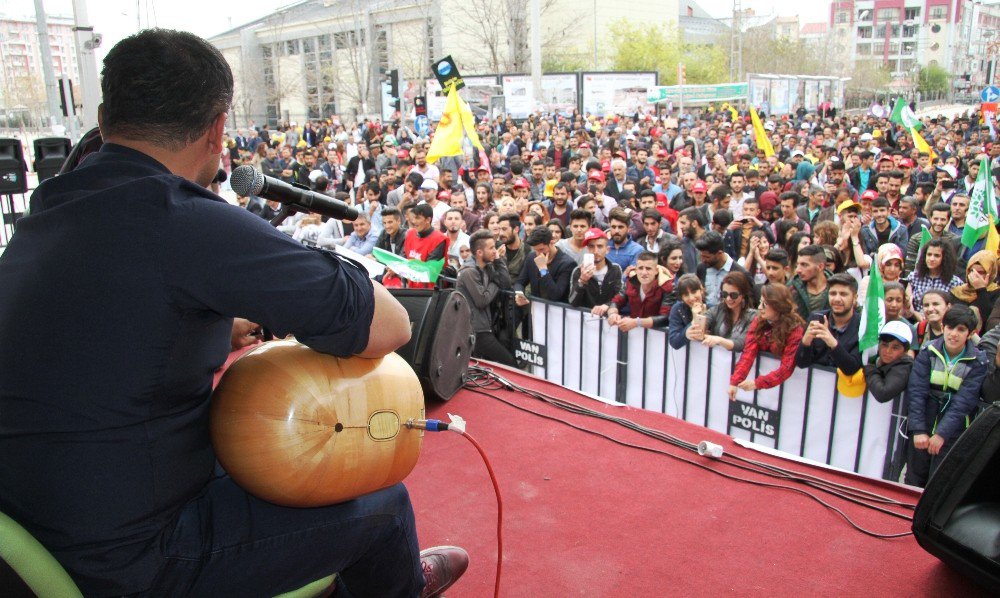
<point>246,180</point>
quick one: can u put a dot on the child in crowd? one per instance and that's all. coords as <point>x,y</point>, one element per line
<point>888,376</point>
<point>691,307</point>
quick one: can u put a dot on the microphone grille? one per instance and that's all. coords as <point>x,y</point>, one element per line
<point>246,180</point>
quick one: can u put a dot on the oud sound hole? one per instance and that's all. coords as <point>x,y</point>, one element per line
<point>339,427</point>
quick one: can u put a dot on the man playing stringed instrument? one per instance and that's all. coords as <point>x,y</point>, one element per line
<point>116,307</point>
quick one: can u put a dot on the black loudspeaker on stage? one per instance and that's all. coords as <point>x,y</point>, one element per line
<point>50,153</point>
<point>13,170</point>
<point>441,338</point>
<point>958,516</point>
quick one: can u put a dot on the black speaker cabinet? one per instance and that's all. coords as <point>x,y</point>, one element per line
<point>441,338</point>
<point>50,153</point>
<point>958,516</point>
<point>13,170</point>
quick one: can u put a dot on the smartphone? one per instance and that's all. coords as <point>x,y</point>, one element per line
<point>588,259</point>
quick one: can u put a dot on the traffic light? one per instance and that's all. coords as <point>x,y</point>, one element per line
<point>394,83</point>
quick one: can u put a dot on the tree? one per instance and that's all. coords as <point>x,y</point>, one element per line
<point>933,79</point>
<point>653,48</point>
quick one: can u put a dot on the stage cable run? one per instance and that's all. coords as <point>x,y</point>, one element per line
<point>457,425</point>
<point>480,379</point>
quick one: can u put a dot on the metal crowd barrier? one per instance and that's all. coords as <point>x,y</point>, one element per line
<point>806,416</point>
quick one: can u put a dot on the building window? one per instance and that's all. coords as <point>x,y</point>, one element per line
<point>864,15</point>
<point>348,39</point>
<point>895,31</point>
<point>939,12</point>
<point>841,17</point>
<point>864,49</point>
<point>887,14</point>
<point>911,14</point>
<point>911,31</point>
<point>865,32</point>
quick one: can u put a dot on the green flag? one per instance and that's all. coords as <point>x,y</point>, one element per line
<point>982,205</point>
<point>412,270</point>
<point>925,237</point>
<point>901,114</point>
<point>873,311</point>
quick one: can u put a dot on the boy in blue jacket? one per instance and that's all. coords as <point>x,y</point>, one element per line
<point>943,394</point>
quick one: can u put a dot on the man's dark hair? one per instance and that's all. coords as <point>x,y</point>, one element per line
<point>541,235</point>
<point>927,188</point>
<point>960,315</point>
<point>478,239</point>
<point>895,174</point>
<point>561,186</point>
<point>722,218</point>
<point>695,214</point>
<point>652,213</point>
<point>777,255</point>
<point>422,209</point>
<point>646,256</point>
<point>792,195</point>
<point>511,218</point>
<point>940,207</point>
<point>865,155</point>
<point>881,202</point>
<point>163,86</point>
<point>647,193</point>
<point>567,177</point>
<point>578,214</point>
<point>719,192</point>
<point>516,167</point>
<point>416,179</point>
<point>391,211</point>
<point>737,173</point>
<point>843,279</point>
<point>618,214</point>
<point>711,242</point>
<point>838,165</point>
<point>815,253</point>
<point>453,211</point>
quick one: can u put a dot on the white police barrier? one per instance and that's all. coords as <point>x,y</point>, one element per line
<point>806,416</point>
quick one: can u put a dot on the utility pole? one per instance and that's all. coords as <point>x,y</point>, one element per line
<point>86,43</point>
<point>536,49</point>
<point>736,43</point>
<point>51,90</point>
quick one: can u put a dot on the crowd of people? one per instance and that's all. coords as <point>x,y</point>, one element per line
<point>688,224</point>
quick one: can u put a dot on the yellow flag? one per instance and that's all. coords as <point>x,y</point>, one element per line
<point>760,134</point>
<point>922,144</point>
<point>457,117</point>
<point>992,238</point>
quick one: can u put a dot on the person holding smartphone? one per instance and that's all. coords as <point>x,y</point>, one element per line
<point>831,336</point>
<point>596,281</point>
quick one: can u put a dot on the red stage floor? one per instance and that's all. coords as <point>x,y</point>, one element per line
<point>585,516</point>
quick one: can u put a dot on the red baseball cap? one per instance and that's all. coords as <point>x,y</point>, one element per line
<point>444,194</point>
<point>593,233</point>
<point>699,187</point>
<point>606,165</point>
<point>484,168</point>
<point>584,145</point>
<point>662,153</point>
<point>869,194</point>
<point>595,175</point>
<point>521,184</point>
<point>906,163</point>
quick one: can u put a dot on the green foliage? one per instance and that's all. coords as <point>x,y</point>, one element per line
<point>562,62</point>
<point>651,48</point>
<point>869,75</point>
<point>933,79</point>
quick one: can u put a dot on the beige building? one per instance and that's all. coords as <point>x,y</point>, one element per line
<point>22,87</point>
<point>316,58</point>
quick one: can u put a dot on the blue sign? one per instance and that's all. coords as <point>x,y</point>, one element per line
<point>990,94</point>
<point>423,125</point>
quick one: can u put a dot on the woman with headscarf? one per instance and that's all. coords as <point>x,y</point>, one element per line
<point>804,171</point>
<point>980,289</point>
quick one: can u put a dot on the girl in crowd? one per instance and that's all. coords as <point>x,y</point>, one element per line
<point>491,222</point>
<point>935,303</point>
<point>530,221</point>
<point>980,289</point>
<point>897,304</point>
<point>890,264</point>
<point>824,233</point>
<point>935,269</point>
<point>777,329</point>
<point>484,200</point>
<point>795,244</point>
<point>557,229</point>
<point>691,306</point>
<point>786,229</point>
<point>754,260</point>
<point>671,258</point>
<point>537,208</point>
<point>727,323</point>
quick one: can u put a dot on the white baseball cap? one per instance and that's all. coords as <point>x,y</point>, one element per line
<point>429,184</point>
<point>897,330</point>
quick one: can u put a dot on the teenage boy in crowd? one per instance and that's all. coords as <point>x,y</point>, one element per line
<point>596,281</point>
<point>809,286</point>
<point>943,394</point>
<point>888,377</point>
<point>546,270</point>
<point>480,283</point>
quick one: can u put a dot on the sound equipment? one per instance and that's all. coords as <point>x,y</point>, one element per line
<point>300,428</point>
<point>13,170</point>
<point>50,153</point>
<point>441,338</point>
<point>958,516</point>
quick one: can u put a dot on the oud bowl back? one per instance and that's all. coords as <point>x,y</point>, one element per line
<point>300,428</point>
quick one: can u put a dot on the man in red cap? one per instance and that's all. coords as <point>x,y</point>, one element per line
<point>596,281</point>
<point>522,190</point>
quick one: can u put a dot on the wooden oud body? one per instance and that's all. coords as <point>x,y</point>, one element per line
<point>303,429</point>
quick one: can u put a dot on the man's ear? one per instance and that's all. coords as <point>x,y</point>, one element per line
<point>215,131</point>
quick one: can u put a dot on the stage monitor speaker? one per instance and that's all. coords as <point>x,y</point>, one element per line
<point>13,170</point>
<point>50,153</point>
<point>441,338</point>
<point>958,517</point>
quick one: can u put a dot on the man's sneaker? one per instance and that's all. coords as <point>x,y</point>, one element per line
<point>442,566</point>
